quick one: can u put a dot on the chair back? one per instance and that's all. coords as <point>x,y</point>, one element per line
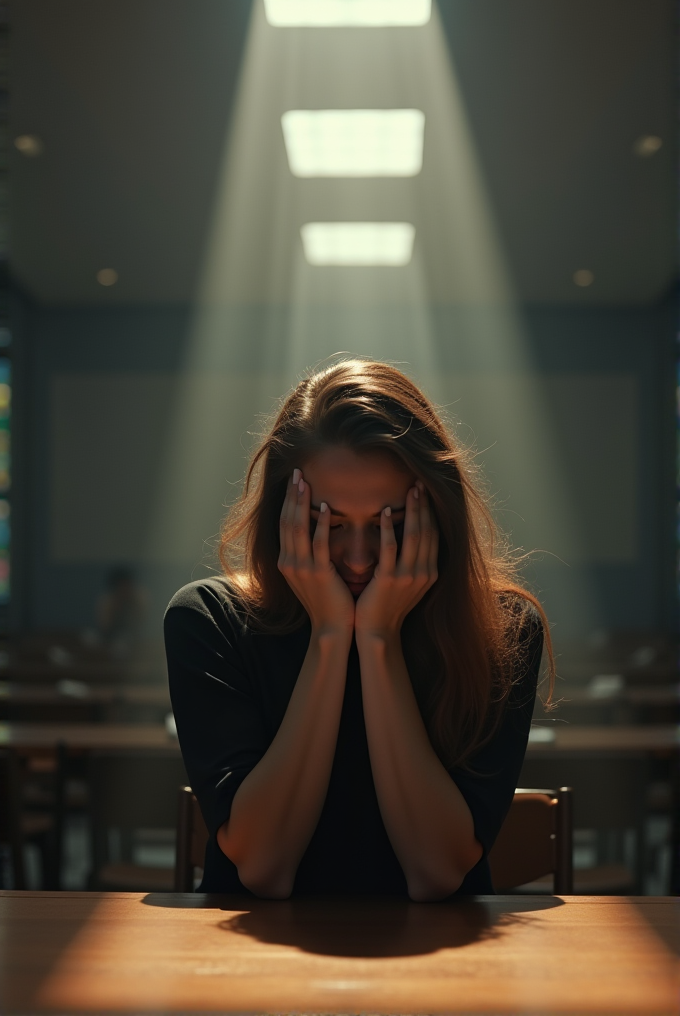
<point>130,791</point>
<point>135,789</point>
<point>535,840</point>
<point>10,814</point>
<point>192,838</point>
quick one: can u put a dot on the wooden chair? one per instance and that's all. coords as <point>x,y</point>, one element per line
<point>131,792</point>
<point>23,821</point>
<point>11,832</point>
<point>535,840</point>
<point>192,837</point>
<point>610,800</point>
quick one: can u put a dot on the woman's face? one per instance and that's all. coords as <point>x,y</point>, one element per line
<point>356,488</point>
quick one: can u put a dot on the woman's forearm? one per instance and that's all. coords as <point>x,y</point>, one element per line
<point>427,819</point>
<point>277,807</point>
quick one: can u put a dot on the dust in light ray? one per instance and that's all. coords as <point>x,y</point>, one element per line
<point>255,271</point>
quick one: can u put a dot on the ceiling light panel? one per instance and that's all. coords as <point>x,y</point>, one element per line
<point>358,243</point>
<point>354,142</point>
<point>346,13</point>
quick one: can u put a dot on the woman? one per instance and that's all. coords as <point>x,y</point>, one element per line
<point>353,698</point>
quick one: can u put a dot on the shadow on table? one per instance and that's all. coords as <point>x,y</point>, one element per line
<point>365,927</point>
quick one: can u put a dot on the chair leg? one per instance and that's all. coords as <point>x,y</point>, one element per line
<point>564,862</point>
<point>183,866</point>
<point>52,876</point>
<point>16,840</point>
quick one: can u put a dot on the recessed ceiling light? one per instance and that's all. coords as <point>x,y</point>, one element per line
<point>648,144</point>
<point>354,142</point>
<point>107,276</point>
<point>358,243</point>
<point>338,13</point>
<point>584,277</point>
<point>29,145</point>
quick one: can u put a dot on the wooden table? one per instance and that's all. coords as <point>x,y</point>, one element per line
<point>90,671</point>
<point>639,694</point>
<point>576,738</point>
<point>86,736</point>
<point>564,737</point>
<point>78,692</point>
<point>127,952</point>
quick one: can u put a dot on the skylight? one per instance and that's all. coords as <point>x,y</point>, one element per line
<point>339,13</point>
<point>358,243</point>
<point>354,142</point>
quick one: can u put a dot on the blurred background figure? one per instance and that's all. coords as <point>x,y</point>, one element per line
<point>121,611</point>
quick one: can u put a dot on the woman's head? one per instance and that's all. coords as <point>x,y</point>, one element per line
<point>357,486</point>
<point>363,433</point>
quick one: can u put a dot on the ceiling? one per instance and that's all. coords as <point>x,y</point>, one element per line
<point>133,102</point>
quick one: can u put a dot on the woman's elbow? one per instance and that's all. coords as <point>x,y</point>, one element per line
<point>436,885</point>
<point>268,885</point>
<point>261,876</point>
<point>430,889</point>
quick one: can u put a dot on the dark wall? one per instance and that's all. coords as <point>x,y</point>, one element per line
<point>52,590</point>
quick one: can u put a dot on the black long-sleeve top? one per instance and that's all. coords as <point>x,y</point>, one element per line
<point>230,686</point>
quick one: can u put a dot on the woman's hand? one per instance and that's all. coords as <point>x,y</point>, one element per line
<point>306,563</point>
<point>398,583</point>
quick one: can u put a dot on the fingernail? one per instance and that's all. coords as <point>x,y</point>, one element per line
<point>301,486</point>
<point>416,493</point>
<point>323,507</point>
<point>296,477</point>
<point>388,511</point>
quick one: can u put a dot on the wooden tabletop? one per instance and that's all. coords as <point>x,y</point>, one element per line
<point>91,671</point>
<point>555,736</point>
<point>640,694</point>
<point>77,692</point>
<point>551,737</point>
<point>130,952</point>
<point>86,736</point>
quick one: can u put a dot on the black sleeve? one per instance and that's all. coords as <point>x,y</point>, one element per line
<point>489,779</point>
<point>219,722</point>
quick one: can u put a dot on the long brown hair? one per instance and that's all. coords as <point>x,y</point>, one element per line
<point>470,633</point>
